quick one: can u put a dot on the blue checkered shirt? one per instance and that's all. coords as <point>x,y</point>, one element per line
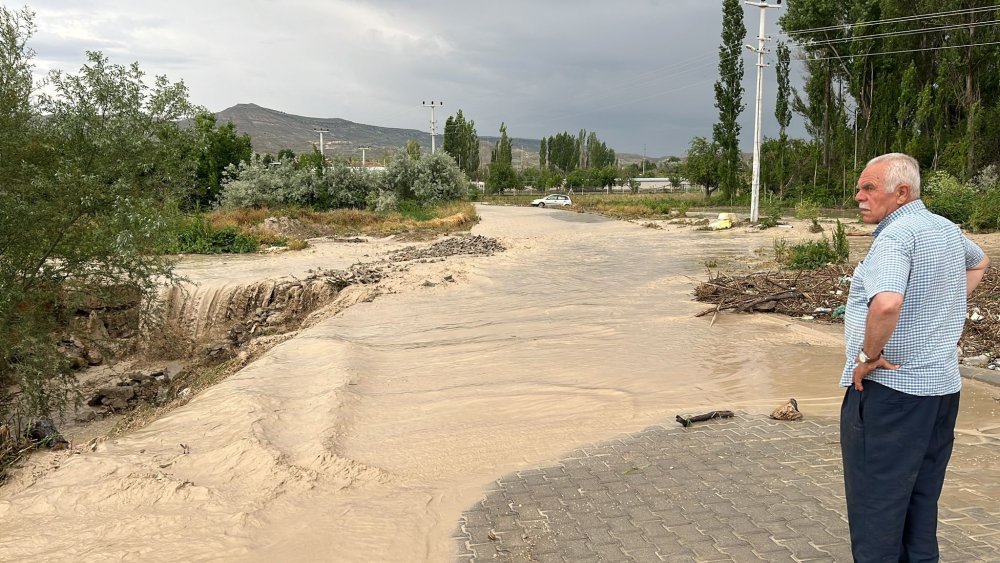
<point>923,257</point>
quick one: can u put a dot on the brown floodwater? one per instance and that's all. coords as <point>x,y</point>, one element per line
<point>366,436</point>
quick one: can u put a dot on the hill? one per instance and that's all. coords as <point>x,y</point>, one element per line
<point>272,130</point>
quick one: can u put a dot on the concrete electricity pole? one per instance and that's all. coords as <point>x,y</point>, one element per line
<point>761,39</point>
<point>432,105</point>
<point>322,147</point>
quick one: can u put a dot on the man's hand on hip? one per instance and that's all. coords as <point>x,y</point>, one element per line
<point>862,369</point>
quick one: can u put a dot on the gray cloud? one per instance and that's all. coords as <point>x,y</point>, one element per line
<point>639,74</point>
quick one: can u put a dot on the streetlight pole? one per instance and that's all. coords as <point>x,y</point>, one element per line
<point>432,105</point>
<point>761,39</point>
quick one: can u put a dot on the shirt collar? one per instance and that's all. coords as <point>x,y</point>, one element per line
<point>910,208</point>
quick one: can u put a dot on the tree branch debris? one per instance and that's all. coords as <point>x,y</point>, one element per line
<point>817,295</point>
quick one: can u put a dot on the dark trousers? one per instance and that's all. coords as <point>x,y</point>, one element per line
<point>895,449</point>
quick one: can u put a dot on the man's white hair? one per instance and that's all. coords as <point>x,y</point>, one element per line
<point>900,169</point>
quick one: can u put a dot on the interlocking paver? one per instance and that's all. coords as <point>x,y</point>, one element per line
<point>743,489</point>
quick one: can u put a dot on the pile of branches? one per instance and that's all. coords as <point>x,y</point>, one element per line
<point>818,293</point>
<point>982,329</point>
<point>815,293</point>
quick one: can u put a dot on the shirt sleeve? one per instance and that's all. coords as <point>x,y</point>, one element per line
<point>973,254</point>
<point>889,259</point>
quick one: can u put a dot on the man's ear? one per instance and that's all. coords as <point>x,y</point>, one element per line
<point>903,192</point>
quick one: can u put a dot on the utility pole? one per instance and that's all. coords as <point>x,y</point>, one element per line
<point>432,105</point>
<point>322,147</point>
<point>364,163</point>
<point>761,39</point>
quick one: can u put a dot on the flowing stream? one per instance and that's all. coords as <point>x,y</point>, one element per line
<point>366,436</point>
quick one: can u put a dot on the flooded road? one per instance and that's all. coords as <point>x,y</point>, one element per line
<point>364,437</point>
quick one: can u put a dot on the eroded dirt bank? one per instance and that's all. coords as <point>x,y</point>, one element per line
<point>365,436</point>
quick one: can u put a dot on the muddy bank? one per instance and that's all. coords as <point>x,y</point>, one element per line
<point>208,328</point>
<point>366,435</point>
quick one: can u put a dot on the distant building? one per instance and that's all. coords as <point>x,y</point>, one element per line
<point>661,185</point>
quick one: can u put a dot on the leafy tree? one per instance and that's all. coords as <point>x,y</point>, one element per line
<point>85,188</point>
<point>543,154</point>
<point>782,112</point>
<point>253,184</point>
<point>729,97</point>
<point>462,142</point>
<point>438,178</point>
<point>501,174</point>
<point>286,154</point>
<point>564,153</point>
<point>217,148</point>
<point>931,94</point>
<point>577,178</point>
<point>702,165</point>
<point>311,161</point>
<point>598,153</point>
<point>413,149</point>
<point>399,176</point>
<point>604,176</point>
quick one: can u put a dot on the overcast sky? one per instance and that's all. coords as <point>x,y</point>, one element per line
<point>639,73</point>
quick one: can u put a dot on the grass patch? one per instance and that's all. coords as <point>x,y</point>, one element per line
<point>197,234</point>
<point>426,220</point>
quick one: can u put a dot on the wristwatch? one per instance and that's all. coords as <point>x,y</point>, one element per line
<point>864,359</point>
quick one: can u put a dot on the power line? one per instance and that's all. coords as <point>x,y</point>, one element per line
<point>899,52</point>
<point>923,31</point>
<point>844,27</point>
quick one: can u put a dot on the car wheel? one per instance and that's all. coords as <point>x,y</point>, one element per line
<point>541,204</point>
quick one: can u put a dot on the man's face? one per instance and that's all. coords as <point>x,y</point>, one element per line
<point>874,202</point>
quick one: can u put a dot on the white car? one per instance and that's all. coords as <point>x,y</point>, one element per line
<point>553,199</point>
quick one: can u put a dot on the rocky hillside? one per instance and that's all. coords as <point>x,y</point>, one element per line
<point>273,130</point>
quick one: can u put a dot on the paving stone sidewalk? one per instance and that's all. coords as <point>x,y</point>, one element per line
<point>743,489</point>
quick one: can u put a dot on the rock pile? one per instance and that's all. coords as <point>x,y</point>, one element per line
<point>363,274</point>
<point>131,390</point>
<point>476,245</point>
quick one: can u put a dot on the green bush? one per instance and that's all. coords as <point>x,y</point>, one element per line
<point>946,196</point>
<point>781,250</point>
<point>810,255</point>
<point>806,209</point>
<point>985,215</point>
<point>195,235</point>
<point>841,248</point>
<point>413,210</point>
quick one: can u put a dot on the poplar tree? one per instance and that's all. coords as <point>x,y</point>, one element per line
<point>782,111</point>
<point>729,96</point>
<point>462,142</point>
<point>501,174</point>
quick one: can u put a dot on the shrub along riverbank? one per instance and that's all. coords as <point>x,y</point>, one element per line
<point>249,230</point>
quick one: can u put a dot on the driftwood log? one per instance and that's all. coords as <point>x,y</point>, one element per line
<point>689,420</point>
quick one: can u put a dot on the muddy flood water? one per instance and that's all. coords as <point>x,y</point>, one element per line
<point>366,436</point>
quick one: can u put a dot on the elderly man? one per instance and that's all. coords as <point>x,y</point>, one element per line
<point>905,315</point>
